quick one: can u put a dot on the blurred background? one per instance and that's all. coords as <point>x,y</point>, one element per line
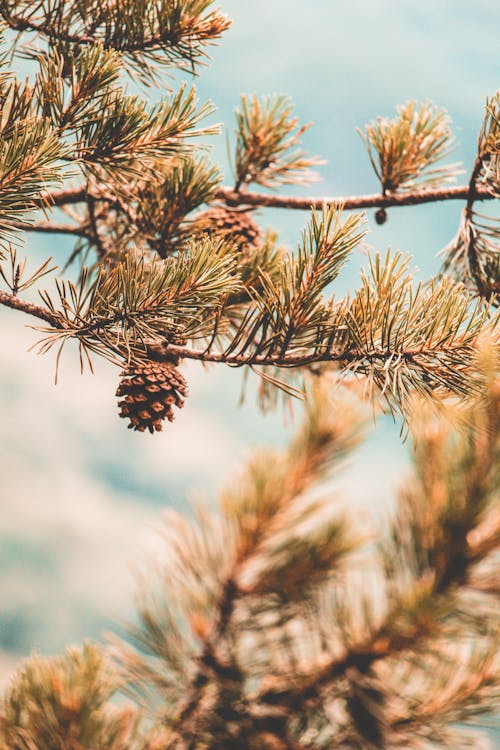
<point>81,497</point>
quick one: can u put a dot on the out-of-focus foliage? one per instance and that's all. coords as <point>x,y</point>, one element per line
<point>284,619</point>
<point>63,704</point>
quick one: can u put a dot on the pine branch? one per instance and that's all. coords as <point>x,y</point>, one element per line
<point>370,336</point>
<point>160,206</point>
<point>78,113</point>
<point>472,250</point>
<point>111,202</point>
<point>128,136</point>
<point>163,351</point>
<point>30,308</point>
<point>471,479</point>
<point>264,200</point>
<point>473,255</point>
<point>147,33</point>
<point>67,197</point>
<point>30,155</point>
<point>410,198</point>
<point>266,663</point>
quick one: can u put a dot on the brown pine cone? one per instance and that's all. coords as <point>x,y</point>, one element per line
<point>236,226</point>
<point>150,392</point>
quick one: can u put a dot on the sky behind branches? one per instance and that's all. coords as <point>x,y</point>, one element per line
<point>79,494</point>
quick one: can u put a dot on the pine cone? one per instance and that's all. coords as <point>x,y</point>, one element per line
<point>150,391</point>
<point>237,226</point>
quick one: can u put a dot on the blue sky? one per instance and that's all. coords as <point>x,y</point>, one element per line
<point>79,494</point>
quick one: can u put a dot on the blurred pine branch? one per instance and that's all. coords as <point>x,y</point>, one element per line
<point>283,620</point>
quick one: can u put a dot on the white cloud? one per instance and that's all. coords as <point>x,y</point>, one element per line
<point>71,529</point>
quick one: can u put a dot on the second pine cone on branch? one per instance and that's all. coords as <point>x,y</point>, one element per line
<point>230,224</point>
<point>150,392</point>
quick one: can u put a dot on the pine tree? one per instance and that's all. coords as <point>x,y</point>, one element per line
<point>280,622</point>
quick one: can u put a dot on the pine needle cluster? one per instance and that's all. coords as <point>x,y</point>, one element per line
<point>266,144</point>
<point>404,151</point>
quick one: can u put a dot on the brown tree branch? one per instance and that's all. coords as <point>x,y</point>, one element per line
<point>249,198</point>
<point>95,234</point>
<point>68,197</point>
<point>14,302</point>
<point>162,352</point>
<point>461,192</point>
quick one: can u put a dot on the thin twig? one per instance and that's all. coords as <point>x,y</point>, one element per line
<point>13,301</point>
<point>95,235</point>
<point>18,23</point>
<point>48,227</point>
<point>68,197</point>
<point>472,254</point>
<point>162,352</point>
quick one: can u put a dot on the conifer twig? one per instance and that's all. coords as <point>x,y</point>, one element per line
<point>172,34</point>
<point>21,23</point>
<point>472,255</point>
<point>30,308</point>
<point>164,351</point>
<point>48,227</point>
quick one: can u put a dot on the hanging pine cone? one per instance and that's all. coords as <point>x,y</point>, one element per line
<point>230,224</point>
<point>150,391</point>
